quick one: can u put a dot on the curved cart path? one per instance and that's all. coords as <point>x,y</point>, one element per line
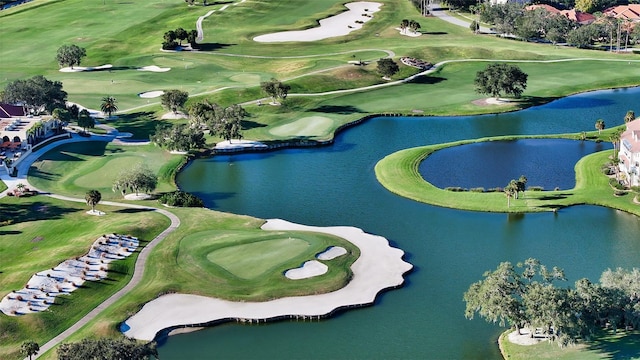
<point>141,261</point>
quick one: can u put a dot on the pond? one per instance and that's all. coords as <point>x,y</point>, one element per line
<point>547,163</point>
<point>450,249</point>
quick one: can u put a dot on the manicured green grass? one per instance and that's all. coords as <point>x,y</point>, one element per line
<point>43,233</point>
<point>623,345</point>
<point>73,169</point>
<point>398,172</point>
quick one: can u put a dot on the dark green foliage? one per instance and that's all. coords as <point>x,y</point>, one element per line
<point>139,178</point>
<point>37,93</point>
<point>107,349</point>
<point>70,55</point>
<point>179,137</point>
<point>180,199</point>
<point>616,184</point>
<point>536,188</point>
<point>500,77</point>
<point>170,37</point>
<point>387,67</point>
<point>477,189</point>
<point>174,99</point>
<point>277,90</point>
<point>29,348</point>
<point>93,197</point>
<point>224,122</point>
<point>455,189</point>
<point>85,120</point>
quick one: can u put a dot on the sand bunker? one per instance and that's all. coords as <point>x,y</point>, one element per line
<point>239,145</point>
<point>43,287</point>
<point>379,267</point>
<point>309,269</point>
<point>83,68</point>
<point>409,32</point>
<point>332,253</point>
<point>174,115</point>
<point>334,26</point>
<point>151,94</point>
<point>153,68</point>
<point>140,196</point>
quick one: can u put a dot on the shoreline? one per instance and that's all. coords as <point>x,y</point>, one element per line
<point>380,267</point>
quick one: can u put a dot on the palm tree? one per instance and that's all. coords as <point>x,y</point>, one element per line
<point>404,25</point>
<point>93,197</point>
<point>30,348</point>
<point>109,105</point>
<point>615,140</point>
<point>599,125</point>
<point>510,191</point>
<point>630,116</point>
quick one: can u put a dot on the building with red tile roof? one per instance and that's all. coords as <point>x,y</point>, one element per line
<point>549,8</point>
<point>629,12</point>
<point>629,154</point>
<point>579,17</point>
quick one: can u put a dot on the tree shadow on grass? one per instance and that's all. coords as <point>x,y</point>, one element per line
<point>140,124</point>
<point>132,211</point>
<point>435,33</point>
<point>248,124</point>
<point>426,80</point>
<point>33,211</point>
<point>337,109</point>
<point>554,197</point>
<point>213,46</point>
<point>624,347</point>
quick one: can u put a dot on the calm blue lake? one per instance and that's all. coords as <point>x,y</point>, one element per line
<point>450,249</point>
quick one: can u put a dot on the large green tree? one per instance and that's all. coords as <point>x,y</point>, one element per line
<point>136,179</point>
<point>30,348</point>
<point>179,137</point>
<point>501,78</point>
<point>225,122</point>
<point>85,120</point>
<point>93,197</point>
<point>70,55</point>
<point>37,93</point>
<point>599,125</point>
<point>387,67</point>
<point>174,99</point>
<point>277,90</point>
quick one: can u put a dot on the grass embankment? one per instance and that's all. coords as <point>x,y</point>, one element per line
<point>399,173</point>
<point>73,169</point>
<point>42,232</point>
<point>623,345</point>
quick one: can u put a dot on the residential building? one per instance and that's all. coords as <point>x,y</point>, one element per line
<point>629,154</point>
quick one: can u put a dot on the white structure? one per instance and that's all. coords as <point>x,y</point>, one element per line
<point>629,154</point>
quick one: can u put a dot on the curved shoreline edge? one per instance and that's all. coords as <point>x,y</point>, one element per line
<point>379,267</point>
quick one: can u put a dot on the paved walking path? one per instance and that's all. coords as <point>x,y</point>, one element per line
<point>437,11</point>
<point>23,169</point>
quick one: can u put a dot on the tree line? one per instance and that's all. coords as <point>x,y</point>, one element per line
<point>526,296</point>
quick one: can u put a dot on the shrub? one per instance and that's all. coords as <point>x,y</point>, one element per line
<point>616,184</point>
<point>607,170</point>
<point>180,199</point>
<point>477,189</point>
<point>619,193</point>
<point>455,189</point>
<point>495,189</point>
<point>535,188</point>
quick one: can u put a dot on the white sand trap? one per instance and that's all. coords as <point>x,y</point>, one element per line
<point>43,287</point>
<point>332,253</point>
<point>151,94</point>
<point>309,269</point>
<point>239,145</point>
<point>379,267</point>
<point>409,32</point>
<point>139,196</point>
<point>153,68</point>
<point>524,338</point>
<point>96,213</point>
<point>496,101</point>
<point>83,68</point>
<point>334,26</point>
<point>174,116</point>
<point>307,126</point>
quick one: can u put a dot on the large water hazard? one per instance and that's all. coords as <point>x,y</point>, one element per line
<point>450,249</point>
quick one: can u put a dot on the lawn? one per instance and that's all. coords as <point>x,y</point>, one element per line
<point>73,169</point>
<point>42,232</point>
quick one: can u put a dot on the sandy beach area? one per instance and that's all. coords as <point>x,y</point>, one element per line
<point>379,267</point>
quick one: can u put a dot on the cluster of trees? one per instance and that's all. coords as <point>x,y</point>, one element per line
<point>277,90</point>
<point>409,24</point>
<point>70,55</point>
<point>225,122</point>
<point>514,188</point>
<point>512,18</point>
<point>136,179</point>
<point>107,349</point>
<point>529,298</point>
<point>179,137</point>
<point>500,78</point>
<point>180,35</point>
<point>38,94</point>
